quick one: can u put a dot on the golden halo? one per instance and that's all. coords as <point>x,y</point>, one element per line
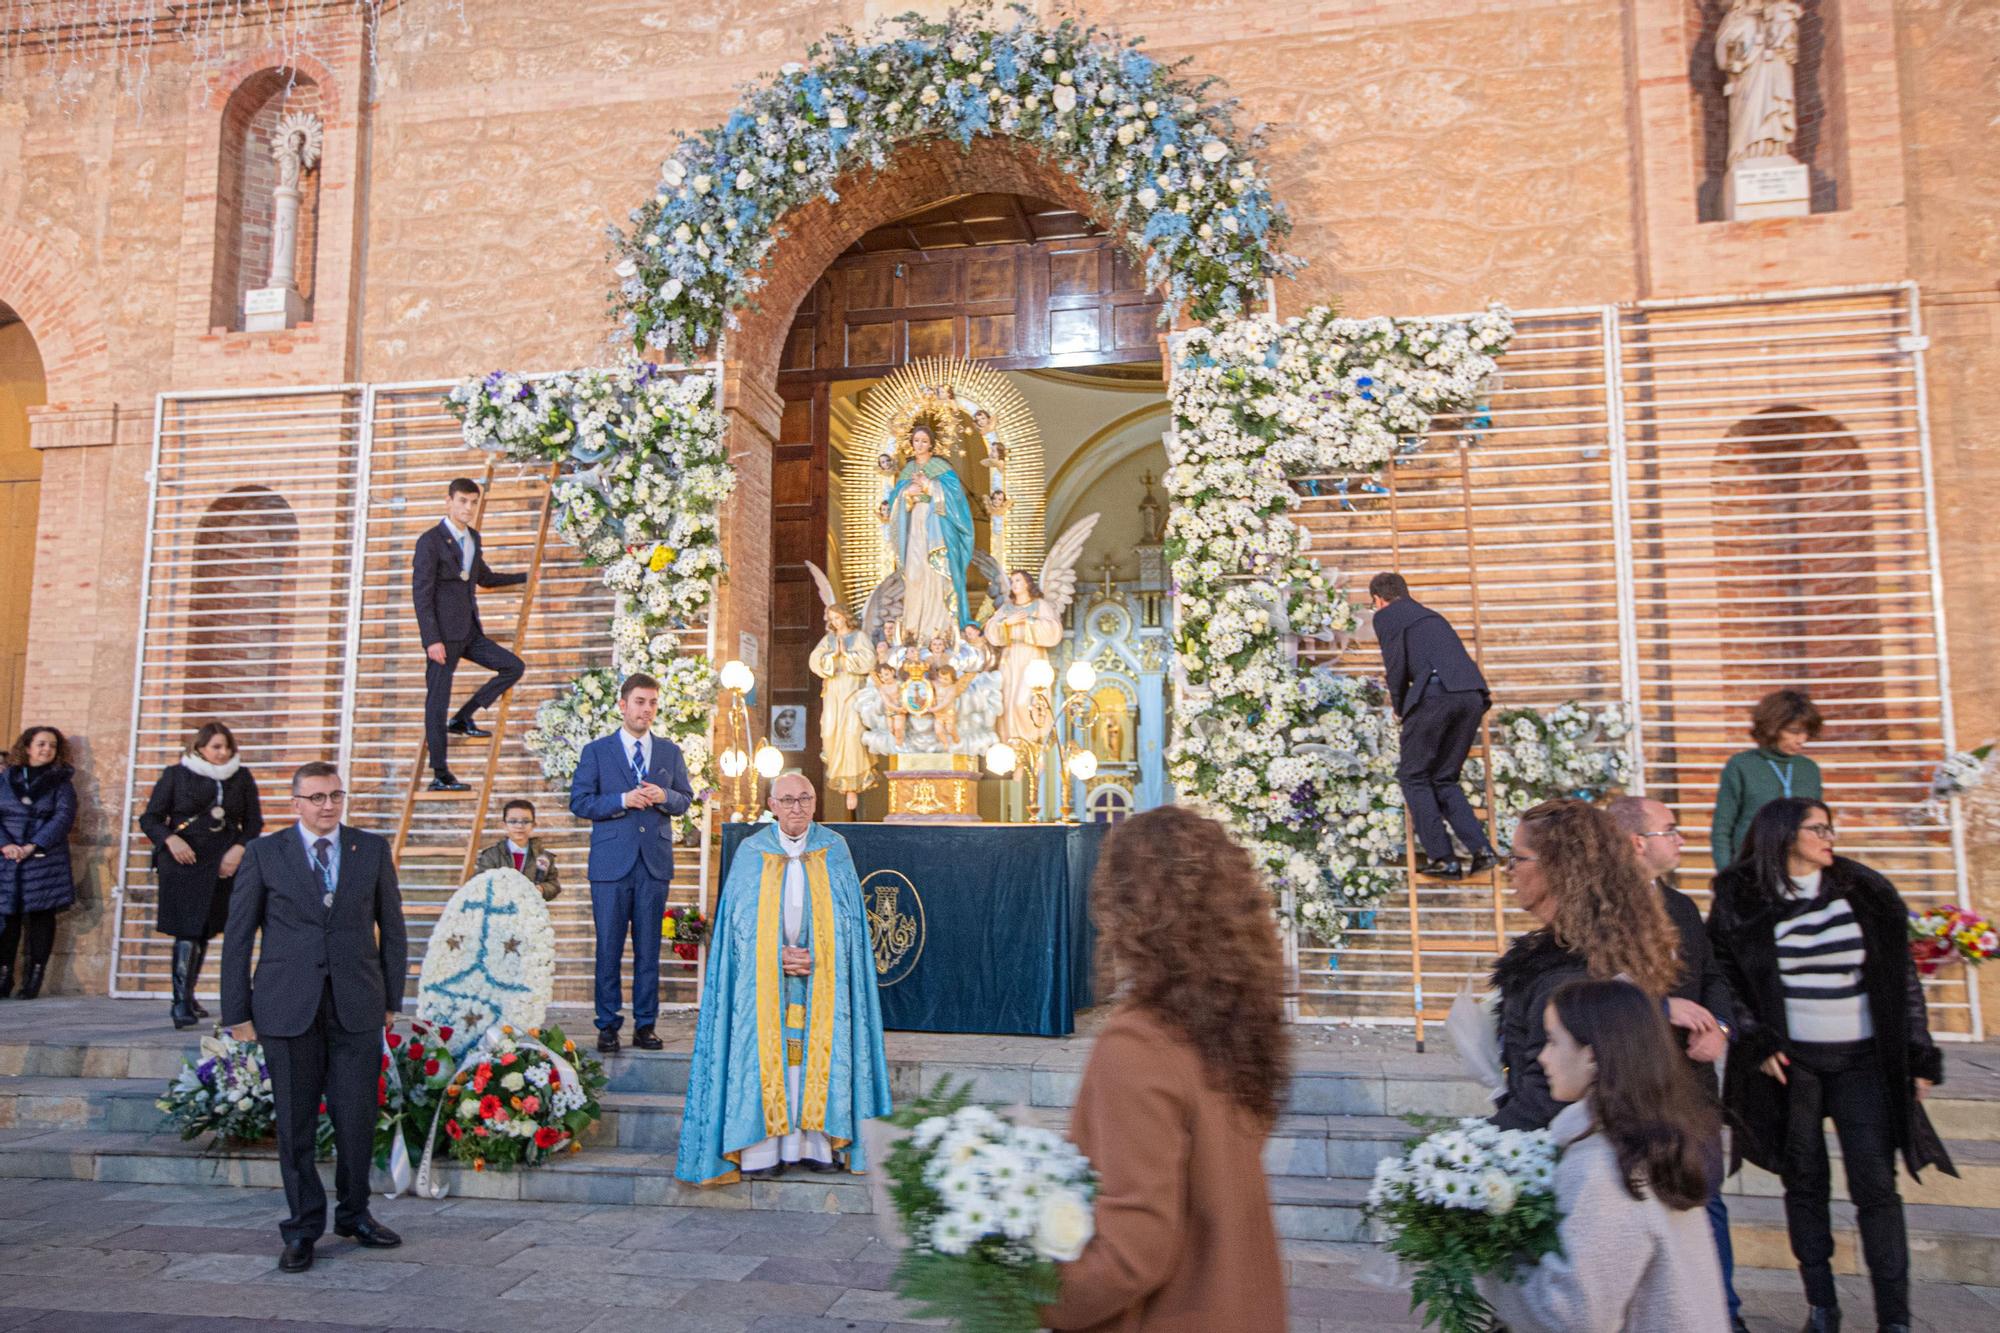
<point>943,393</point>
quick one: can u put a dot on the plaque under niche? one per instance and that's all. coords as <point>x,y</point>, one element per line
<point>933,789</point>
<point>1766,187</point>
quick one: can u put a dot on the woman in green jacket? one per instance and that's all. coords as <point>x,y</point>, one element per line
<point>1783,724</point>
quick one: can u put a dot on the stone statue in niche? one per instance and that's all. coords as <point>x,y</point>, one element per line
<point>1757,49</point>
<point>295,148</point>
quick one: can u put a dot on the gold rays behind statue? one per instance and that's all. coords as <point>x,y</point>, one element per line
<point>1008,483</point>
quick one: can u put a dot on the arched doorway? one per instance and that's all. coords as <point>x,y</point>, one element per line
<point>243,547</point>
<point>22,385</point>
<point>926,259</point>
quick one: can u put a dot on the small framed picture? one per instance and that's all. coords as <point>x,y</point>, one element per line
<point>788,727</point>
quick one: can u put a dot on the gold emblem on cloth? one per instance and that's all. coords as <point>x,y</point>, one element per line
<point>895,924</point>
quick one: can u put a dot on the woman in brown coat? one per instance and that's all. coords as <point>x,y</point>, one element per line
<point>1181,1091</point>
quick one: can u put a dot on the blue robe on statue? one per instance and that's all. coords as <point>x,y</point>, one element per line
<point>950,525</point>
<point>755,1020</point>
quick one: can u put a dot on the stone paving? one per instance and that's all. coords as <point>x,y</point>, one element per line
<point>82,1257</point>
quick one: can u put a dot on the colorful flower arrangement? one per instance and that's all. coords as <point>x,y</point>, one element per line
<point>1143,138</point>
<point>646,475</point>
<point>416,1068</point>
<point>1465,1203</point>
<point>988,1208</point>
<point>520,1097</point>
<point>226,1091</point>
<point>1940,934</point>
<point>1300,763</point>
<point>491,960</point>
<point>686,929</point>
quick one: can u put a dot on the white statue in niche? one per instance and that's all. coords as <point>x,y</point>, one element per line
<point>1757,46</point>
<point>296,147</point>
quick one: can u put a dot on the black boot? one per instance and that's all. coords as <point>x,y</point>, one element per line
<point>183,1012</point>
<point>31,985</point>
<point>1822,1319</point>
<point>6,980</point>
<point>194,977</point>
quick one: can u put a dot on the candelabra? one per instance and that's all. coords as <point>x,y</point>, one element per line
<point>735,758</point>
<point>1065,728</point>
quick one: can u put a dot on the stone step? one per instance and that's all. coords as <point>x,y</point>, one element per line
<point>1947,1244</point>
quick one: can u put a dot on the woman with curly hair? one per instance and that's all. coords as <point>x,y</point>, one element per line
<point>1573,870</point>
<point>1182,1089</point>
<point>1636,1143</point>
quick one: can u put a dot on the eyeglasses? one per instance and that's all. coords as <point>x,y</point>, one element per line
<point>321,799</point>
<point>1515,859</point>
<point>1822,831</point>
<point>1670,831</point>
<point>518,823</point>
<point>792,801</point>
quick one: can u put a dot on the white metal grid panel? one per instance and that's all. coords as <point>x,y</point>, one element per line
<point>243,612</point>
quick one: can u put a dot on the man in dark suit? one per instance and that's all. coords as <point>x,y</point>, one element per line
<point>329,978</point>
<point>1440,695</point>
<point>447,566</point>
<point>630,785</point>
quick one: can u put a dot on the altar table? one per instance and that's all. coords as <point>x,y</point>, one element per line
<point>976,928</point>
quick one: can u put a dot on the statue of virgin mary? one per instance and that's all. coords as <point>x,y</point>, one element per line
<point>928,525</point>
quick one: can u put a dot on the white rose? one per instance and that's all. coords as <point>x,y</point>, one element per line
<point>1065,78</point>
<point>1148,197</point>
<point>837,118</point>
<point>1151,107</point>
<point>683,233</point>
<point>1498,1191</point>
<point>1064,97</point>
<point>1230,224</point>
<point>1126,134</point>
<point>798,166</point>
<point>975,79</point>
<point>1049,56</point>
<point>929,95</point>
<point>881,67</point>
<point>670,289</point>
<point>626,268</point>
<point>1206,231</point>
<point>744,179</point>
<point>673,173</point>
<point>1063,1227</point>
<point>1214,150</point>
<point>468,1108</point>
<point>1170,151</point>
<point>512,1082</point>
<point>702,184</point>
<point>791,68</point>
<point>964,52</point>
<point>893,110</point>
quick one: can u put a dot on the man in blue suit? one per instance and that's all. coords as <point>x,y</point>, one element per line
<point>630,785</point>
<point>1440,695</point>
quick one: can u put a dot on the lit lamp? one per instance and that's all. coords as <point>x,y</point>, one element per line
<point>770,761</point>
<point>1079,714</point>
<point>1039,677</point>
<point>732,738</point>
<point>1001,759</point>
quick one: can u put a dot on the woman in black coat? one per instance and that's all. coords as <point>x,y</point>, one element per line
<point>1830,1023</point>
<point>37,811</point>
<point>203,811</point>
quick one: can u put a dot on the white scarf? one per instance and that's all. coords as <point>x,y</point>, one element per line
<point>222,772</point>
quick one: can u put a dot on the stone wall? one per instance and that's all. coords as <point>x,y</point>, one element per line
<point>1434,154</point>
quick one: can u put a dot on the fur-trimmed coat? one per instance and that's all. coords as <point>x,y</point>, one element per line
<point>1744,935</point>
<point>1532,970</point>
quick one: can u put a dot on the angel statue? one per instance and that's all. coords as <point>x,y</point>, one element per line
<point>928,525</point>
<point>844,660</point>
<point>1029,625</point>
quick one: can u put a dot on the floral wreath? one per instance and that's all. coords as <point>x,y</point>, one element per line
<point>1174,176</point>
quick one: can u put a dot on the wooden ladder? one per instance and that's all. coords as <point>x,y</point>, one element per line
<point>1490,879</point>
<point>481,792</point>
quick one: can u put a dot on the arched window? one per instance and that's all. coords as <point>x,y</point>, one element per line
<point>237,595</point>
<point>245,201</point>
<point>1107,804</point>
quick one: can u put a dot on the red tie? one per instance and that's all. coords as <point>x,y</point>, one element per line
<point>519,857</point>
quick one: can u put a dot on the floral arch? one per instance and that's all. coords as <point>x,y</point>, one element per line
<point>1292,759</point>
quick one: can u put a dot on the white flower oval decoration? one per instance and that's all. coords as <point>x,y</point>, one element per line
<point>491,959</point>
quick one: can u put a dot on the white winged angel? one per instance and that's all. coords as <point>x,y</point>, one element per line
<point>843,660</point>
<point>1027,626</point>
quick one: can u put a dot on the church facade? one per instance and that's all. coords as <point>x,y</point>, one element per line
<point>1747,443</point>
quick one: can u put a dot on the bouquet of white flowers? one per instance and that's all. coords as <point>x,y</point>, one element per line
<point>989,1208</point>
<point>1464,1203</point>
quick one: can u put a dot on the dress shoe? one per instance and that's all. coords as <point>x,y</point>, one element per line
<point>607,1040</point>
<point>645,1039</point>
<point>1894,1328</point>
<point>764,1173</point>
<point>467,729</point>
<point>1736,1324</point>
<point>825,1168</point>
<point>370,1235</point>
<point>1481,863</point>
<point>446,782</point>
<point>297,1258</point>
<point>31,985</point>
<point>1822,1319</point>
<point>1451,869</point>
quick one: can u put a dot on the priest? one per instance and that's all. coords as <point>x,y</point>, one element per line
<point>788,1054</point>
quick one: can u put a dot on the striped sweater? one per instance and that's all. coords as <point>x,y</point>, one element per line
<point>1820,952</point>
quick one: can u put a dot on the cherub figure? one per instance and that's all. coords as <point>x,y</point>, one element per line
<point>944,712</point>
<point>892,703</point>
<point>973,654</point>
<point>938,652</point>
<point>996,449</point>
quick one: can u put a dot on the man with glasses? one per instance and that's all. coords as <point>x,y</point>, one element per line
<point>630,785</point>
<point>522,851</point>
<point>788,1056</point>
<point>329,977</point>
<point>1701,1004</point>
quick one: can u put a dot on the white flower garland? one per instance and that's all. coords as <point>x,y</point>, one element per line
<point>1302,763</point>
<point>647,472</point>
<point>1140,136</point>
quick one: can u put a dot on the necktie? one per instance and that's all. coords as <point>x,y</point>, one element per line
<point>465,553</point>
<point>519,859</point>
<point>639,761</point>
<point>322,853</point>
